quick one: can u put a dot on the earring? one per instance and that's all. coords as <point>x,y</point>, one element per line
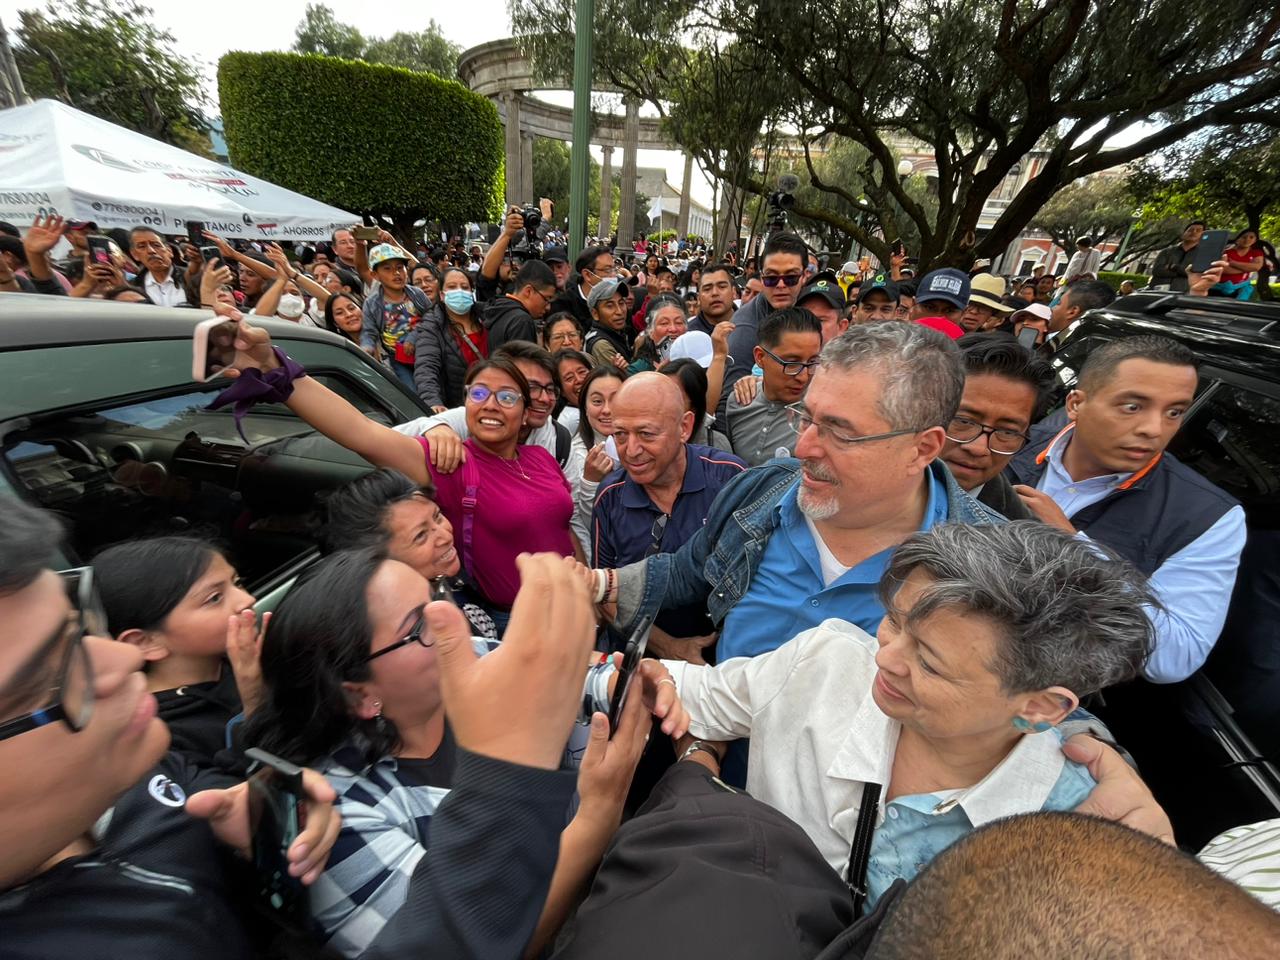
<point>377,705</point>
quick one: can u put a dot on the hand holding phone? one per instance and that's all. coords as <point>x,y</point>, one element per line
<point>195,232</point>
<point>213,348</point>
<point>366,233</point>
<point>1210,248</point>
<point>631,656</point>
<point>99,249</point>
<point>275,820</point>
<point>1028,337</point>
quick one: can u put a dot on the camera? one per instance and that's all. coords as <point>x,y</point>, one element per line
<point>782,200</point>
<point>530,245</point>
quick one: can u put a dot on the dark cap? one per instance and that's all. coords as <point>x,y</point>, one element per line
<point>555,255</point>
<point>827,289</point>
<point>81,225</point>
<point>880,283</point>
<point>947,284</point>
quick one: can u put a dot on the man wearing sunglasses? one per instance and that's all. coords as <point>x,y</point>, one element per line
<point>782,274</point>
<point>1004,390</point>
<point>107,849</point>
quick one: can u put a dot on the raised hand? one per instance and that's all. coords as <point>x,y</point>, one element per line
<point>44,234</point>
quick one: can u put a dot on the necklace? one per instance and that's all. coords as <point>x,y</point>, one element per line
<point>518,469</point>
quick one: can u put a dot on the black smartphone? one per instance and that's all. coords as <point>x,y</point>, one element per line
<point>631,656</point>
<point>1028,336</point>
<point>209,254</point>
<point>195,232</point>
<point>275,819</point>
<point>440,590</point>
<point>99,249</point>
<point>1212,245</point>
<point>899,248</point>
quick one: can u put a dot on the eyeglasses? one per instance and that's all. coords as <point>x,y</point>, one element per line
<point>607,272</point>
<point>656,533</point>
<point>790,279</point>
<point>792,368</point>
<point>506,397</point>
<point>72,691</point>
<point>415,635</point>
<point>546,297</point>
<point>962,430</point>
<point>549,390</point>
<point>800,421</point>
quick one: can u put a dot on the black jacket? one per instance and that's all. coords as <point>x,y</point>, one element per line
<point>156,886</point>
<point>439,367</point>
<point>570,299</point>
<point>199,715</point>
<point>997,493</point>
<point>507,319</point>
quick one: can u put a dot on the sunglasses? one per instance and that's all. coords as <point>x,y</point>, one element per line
<point>790,279</point>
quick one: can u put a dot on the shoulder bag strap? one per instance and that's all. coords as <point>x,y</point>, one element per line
<point>471,486</point>
<point>860,852</point>
<point>564,443</point>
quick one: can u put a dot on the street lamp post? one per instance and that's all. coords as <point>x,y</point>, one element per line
<point>580,154</point>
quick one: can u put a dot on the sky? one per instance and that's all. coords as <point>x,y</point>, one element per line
<point>207,31</point>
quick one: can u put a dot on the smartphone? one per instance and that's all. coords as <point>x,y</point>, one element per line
<point>440,590</point>
<point>631,656</point>
<point>366,233</point>
<point>99,249</point>
<point>212,348</point>
<point>195,232</point>
<point>899,248</point>
<point>209,254</point>
<point>1211,247</point>
<point>275,820</point>
<point>1028,336</point>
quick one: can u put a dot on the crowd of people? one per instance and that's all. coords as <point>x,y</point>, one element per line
<point>881,584</point>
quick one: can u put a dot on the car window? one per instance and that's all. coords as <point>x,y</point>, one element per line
<point>167,464</point>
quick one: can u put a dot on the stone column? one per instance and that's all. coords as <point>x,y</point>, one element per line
<point>511,108</point>
<point>526,169</point>
<point>682,220</point>
<point>627,211</point>
<point>606,194</point>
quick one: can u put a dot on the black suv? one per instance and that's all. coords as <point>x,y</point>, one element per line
<point>1208,746</point>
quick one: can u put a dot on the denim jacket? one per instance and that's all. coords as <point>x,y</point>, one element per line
<point>717,564</point>
<point>371,323</point>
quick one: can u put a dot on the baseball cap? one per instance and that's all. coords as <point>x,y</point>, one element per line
<point>850,266</point>
<point>942,325</point>
<point>81,225</point>
<point>385,252</point>
<point>828,290</point>
<point>1039,311</point>
<point>879,283</point>
<point>946,284</point>
<point>695,345</point>
<point>987,289</point>
<point>603,290</point>
<point>555,255</point>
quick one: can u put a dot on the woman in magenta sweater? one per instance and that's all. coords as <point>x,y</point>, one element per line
<point>506,499</point>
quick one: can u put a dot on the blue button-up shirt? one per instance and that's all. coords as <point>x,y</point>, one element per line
<point>1193,586</point>
<point>623,523</point>
<point>788,594</point>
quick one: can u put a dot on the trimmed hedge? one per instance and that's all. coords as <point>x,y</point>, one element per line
<point>366,137</point>
<point>1140,280</point>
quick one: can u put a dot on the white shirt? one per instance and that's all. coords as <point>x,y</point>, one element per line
<point>832,569</point>
<point>1083,261</point>
<point>1194,585</point>
<point>1250,857</point>
<point>817,735</point>
<point>167,294</point>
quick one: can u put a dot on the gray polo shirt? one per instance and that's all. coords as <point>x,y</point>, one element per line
<point>759,431</point>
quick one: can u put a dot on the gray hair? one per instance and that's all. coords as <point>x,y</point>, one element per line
<point>922,370</point>
<point>29,539</point>
<point>1069,612</point>
<point>657,303</point>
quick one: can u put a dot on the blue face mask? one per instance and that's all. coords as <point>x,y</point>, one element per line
<point>459,301</point>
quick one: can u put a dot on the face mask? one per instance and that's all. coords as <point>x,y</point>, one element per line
<point>459,301</point>
<point>290,306</point>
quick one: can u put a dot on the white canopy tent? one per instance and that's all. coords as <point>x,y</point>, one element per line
<point>53,158</point>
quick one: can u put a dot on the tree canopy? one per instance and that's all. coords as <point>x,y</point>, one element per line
<point>443,162</point>
<point>108,59</point>
<point>551,180</point>
<point>321,32</point>
<point>978,85</point>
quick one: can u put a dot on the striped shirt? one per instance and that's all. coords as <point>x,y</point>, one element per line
<point>1249,856</point>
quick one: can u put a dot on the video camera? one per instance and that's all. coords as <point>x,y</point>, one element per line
<point>529,247</point>
<point>782,200</point>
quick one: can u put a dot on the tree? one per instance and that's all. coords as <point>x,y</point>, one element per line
<point>978,84</point>
<point>320,32</point>
<point>1105,210</point>
<point>402,167</point>
<point>1231,180</point>
<point>551,180</point>
<point>429,50</point>
<point>106,58</point>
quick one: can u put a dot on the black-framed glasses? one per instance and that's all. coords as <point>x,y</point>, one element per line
<point>656,533</point>
<point>72,691</point>
<point>507,397</point>
<point>416,634</point>
<point>800,421</point>
<point>542,390</point>
<point>792,368</point>
<point>790,279</point>
<point>963,430</point>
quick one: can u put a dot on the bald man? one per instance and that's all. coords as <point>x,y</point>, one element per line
<point>659,498</point>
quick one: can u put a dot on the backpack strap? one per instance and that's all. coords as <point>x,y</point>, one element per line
<point>471,487</point>
<point>860,849</point>
<point>564,442</point>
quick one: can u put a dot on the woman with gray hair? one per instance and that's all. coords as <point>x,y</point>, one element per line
<point>664,320</point>
<point>888,749</point>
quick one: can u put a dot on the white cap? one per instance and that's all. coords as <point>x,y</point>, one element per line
<point>695,345</point>
<point>850,266</point>
<point>1039,310</point>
